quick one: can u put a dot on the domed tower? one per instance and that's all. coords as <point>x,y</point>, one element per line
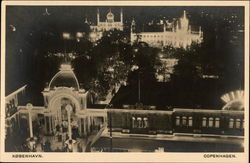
<point>63,90</point>
<point>110,17</point>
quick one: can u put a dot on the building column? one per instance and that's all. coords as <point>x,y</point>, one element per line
<point>92,122</point>
<point>53,122</point>
<point>29,107</point>
<point>84,126</point>
<point>45,124</point>
<point>18,120</point>
<point>89,123</point>
<point>50,130</point>
<point>80,126</point>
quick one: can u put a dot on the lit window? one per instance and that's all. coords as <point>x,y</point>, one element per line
<point>217,122</point>
<point>231,123</point>
<point>145,121</point>
<point>139,122</point>
<point>177,121</point>
<point>211,122</point>
<point>237,123</point>
<point>204,122</point>
<point>190,121</point>
<point>184,120</point>
<point>133,122</point>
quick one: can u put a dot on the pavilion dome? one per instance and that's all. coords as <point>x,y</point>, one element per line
<point>234,100</point>
<point>64,78</point>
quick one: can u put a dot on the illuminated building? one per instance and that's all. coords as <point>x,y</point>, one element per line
<point>179,34</point>
<point>107,25</point>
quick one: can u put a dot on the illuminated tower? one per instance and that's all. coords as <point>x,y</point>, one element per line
<point>184,22</point>
<point>98,16</point>
<point>132,26</point>
<point>110,16</point>
<point>121,16</point>
<point>200,32</point>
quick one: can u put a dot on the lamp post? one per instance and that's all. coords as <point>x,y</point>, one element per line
<point>66,36</point>
<point>29,106</point>
<point>135,67</point>
<point>110,128</point>
<point>139,87</point>
<point>31,140</point>
<point>69,109</point>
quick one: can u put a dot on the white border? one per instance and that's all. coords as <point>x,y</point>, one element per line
<point>127,157</point>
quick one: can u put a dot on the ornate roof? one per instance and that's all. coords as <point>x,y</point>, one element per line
<point>64,78</point>
<point>110,16</point>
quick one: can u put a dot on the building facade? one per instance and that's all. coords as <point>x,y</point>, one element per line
<point>197,122</point>
<point>107,25</point>
<point>177,34</point>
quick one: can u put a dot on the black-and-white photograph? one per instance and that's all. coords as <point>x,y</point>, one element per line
<point>104,78</point>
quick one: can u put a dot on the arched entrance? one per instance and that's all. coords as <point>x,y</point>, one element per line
<point>59,115</point>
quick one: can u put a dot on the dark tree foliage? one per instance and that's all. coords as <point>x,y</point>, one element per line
<point>218,56</point>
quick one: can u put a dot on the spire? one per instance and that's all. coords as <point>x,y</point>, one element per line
<point>46,13</point>
<point>121,16</point>
<point>132,25</point>
<point>98,16</point>
<point>184,14</point>
<point>200,32</point>
<point>184,22</point>
<point>177,26</point>
<point>164,27</point>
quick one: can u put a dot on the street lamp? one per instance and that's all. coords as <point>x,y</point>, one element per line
<point>70,142</point>
<point>135,67</point>
<point>69,109</point>
<point>110,128</point>
<point>31,140</point>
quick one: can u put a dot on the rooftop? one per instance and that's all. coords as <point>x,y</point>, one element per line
<point>64,78</point>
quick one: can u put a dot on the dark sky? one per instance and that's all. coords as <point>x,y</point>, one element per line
<point>28,15</point>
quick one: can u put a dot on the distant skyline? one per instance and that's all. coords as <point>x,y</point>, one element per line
<point>19,14</point>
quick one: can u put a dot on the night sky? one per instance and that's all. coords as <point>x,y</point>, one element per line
<point>26,16</point>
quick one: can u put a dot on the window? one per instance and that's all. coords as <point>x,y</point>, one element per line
<point>177,121</point>
<point>237,123</point>
<point>145,122</point>
<point>217,122</point>
<point>231,123</point>
<point>211,122</point>
<point>242,125</point>
<point>190,121</point>
<point>184,120</point>
<point>204,122</point>
<point>133,122</point>
<point>139,122</point>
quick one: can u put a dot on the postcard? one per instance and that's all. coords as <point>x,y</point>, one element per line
<point>125,81</point>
